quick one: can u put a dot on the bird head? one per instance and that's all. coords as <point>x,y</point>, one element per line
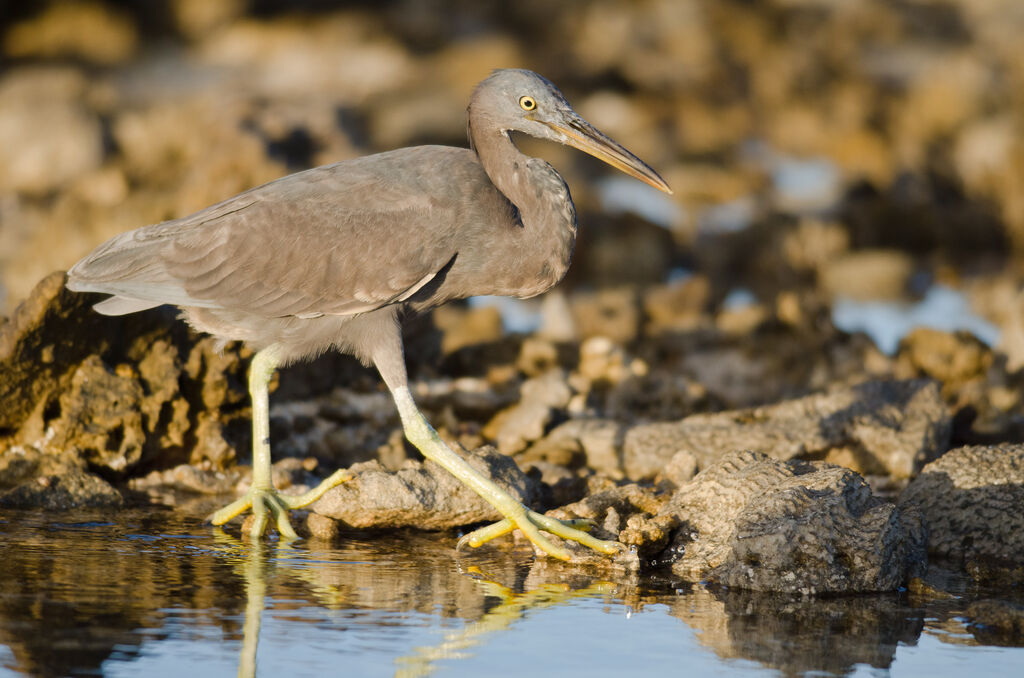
<point>523,101</point>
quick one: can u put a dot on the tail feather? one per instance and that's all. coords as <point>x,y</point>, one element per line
<point>123,305</point>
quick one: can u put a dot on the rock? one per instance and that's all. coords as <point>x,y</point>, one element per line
<point>558,485</point>
<point>878,427</point>
<point>595,443</point>
<point>33,480</point>
<point>753,522</point>
<point>115,392</point>
<point>517,426</point>
<point>971,499</point>
<point>467,327</point>
<point>630,514</point>
<point>187,478</point>
<point>47,138</point>
<point>612,313</point>
<point>677,307</point>
<point>101,417</point>
<point>680,469</point>
<point>951,358</point>
<point>93,31</point>
<point>602,361</point>
<point>421,495</point>
<point>869,274</point>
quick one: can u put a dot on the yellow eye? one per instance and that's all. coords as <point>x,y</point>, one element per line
<point>527,103</point>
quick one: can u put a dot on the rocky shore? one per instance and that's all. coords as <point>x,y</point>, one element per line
<point>701,386</point>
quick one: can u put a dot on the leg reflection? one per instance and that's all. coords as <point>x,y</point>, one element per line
<point>513,606</point>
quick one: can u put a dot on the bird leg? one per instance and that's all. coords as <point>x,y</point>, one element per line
<point>261,497</point>
<point>421,434</point>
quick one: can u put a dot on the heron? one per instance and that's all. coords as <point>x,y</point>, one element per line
<point>334,257</point>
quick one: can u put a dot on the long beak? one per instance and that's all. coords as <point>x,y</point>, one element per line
<point>582,135</point>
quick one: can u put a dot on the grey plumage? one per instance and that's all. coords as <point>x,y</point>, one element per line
<point>330,257</point>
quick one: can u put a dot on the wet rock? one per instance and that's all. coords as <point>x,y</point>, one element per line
<point>997,622</point>
<point>630,514</point>
<point>31,479</point>
<point>421,495</point>
<point>752,522</point>
<point>971,499</point>
<point>881,427</point>
<point>187,478</point>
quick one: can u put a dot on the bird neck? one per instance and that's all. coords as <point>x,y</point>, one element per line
<point>504,163</point>
<point>545,208</point>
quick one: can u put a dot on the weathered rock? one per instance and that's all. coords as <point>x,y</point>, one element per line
<point>595,443</point>
<point>519,425</point>
<point>881,427</point>
<point>753,522</point>
<point>558,485</point>
<point>422,495</point>
<point>629,514</point>
<point>31,479</point>
<point>680,469</point>
<point>187,478</point>
<point>971,499</point>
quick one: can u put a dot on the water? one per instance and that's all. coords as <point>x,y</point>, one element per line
<point>156,593</point>
<point>886,322</point>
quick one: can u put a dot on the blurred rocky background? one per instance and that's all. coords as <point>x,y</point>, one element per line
<point>838,278</point>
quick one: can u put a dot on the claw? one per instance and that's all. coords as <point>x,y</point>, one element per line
<point>531,523</point>
<point>264,501</point>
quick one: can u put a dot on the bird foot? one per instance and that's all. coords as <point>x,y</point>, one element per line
<point>531,524</point>
<point>267,502</point>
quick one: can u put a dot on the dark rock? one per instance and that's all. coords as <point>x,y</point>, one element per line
<point>422,495</point>
<point>890,427</point>
<point>54,485</point>
<point>558,485</point>
<point>971,499</point>
<point>752,522</point>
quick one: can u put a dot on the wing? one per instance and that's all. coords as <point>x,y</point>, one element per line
<point>340,239</point>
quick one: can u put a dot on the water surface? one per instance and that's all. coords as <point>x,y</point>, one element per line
<point>156,593</point>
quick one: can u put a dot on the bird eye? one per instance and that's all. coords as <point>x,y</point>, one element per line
<point>527,103</point>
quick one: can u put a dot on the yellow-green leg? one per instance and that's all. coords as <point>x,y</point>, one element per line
<point>421,434</point>
<point>262,498</point>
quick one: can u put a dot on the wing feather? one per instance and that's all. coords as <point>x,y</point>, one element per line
<point>340,239</point>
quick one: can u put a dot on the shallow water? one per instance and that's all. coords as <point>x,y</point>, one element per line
<point>155,593</point>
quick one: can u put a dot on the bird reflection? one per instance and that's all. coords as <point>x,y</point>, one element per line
<point>512,607</point>
<point>258,565</point>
